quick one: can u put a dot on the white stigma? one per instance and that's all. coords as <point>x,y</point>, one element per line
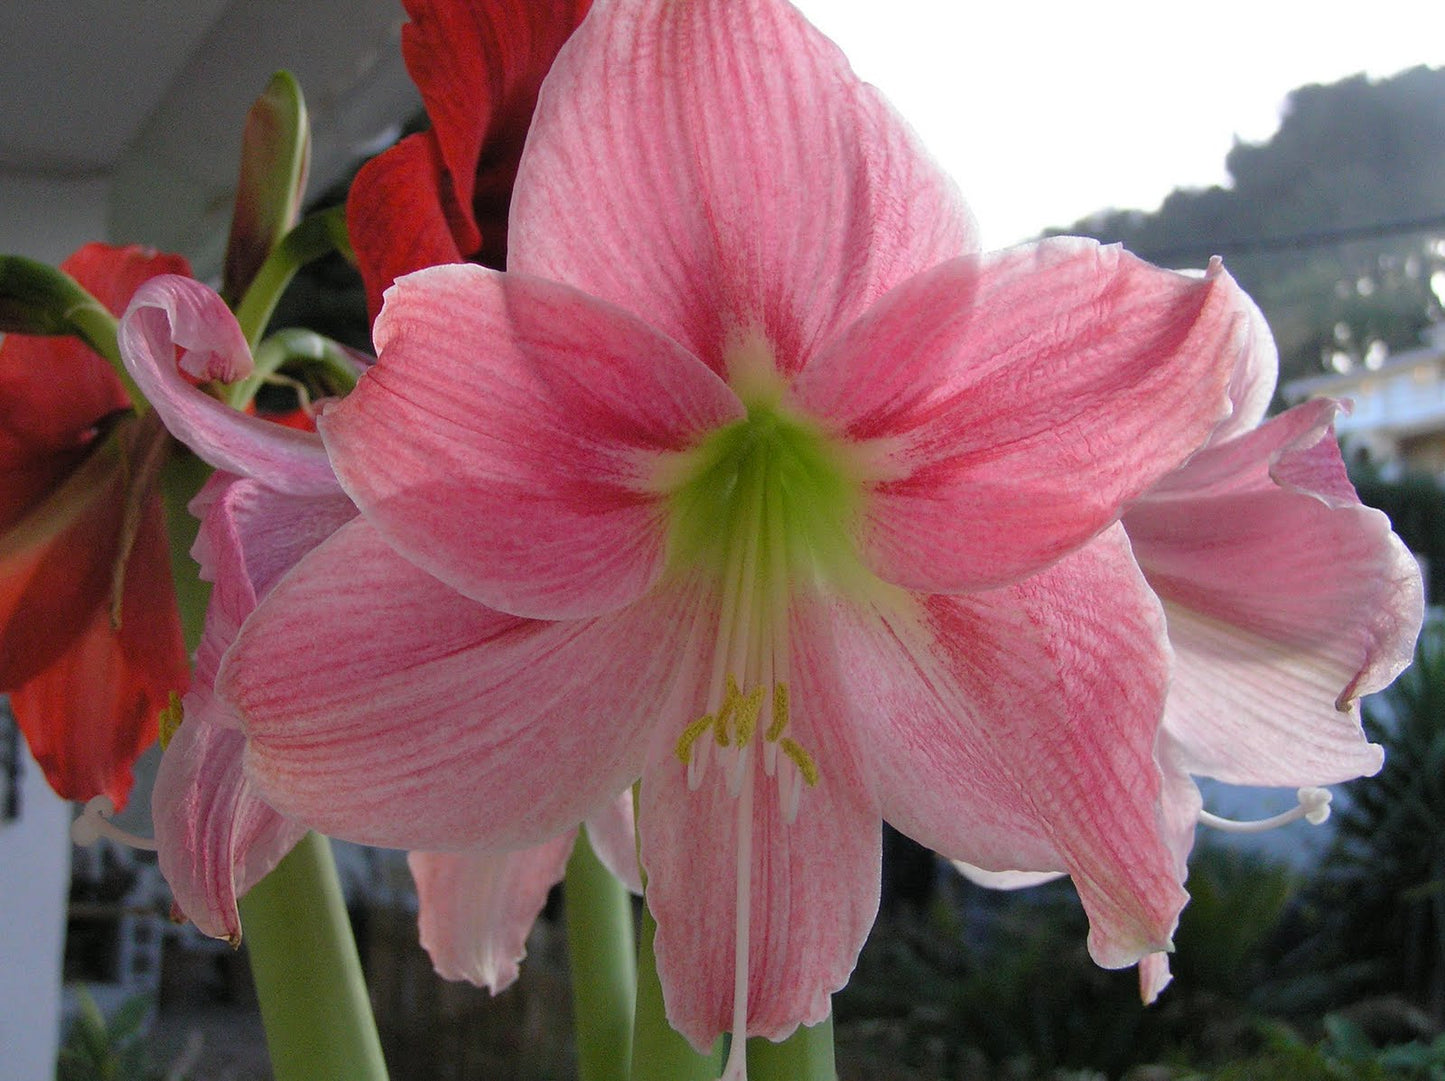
<point>1314,808</point>
<point>94,823</point>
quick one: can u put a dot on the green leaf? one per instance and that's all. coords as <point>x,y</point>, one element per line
<point>275,155</point>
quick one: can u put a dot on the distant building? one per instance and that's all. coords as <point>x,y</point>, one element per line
<point>1398,420</point>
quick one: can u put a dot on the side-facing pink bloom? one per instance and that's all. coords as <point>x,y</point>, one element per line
<point>90,642</point>
<point>1286,600</point>
<point>753,480</point>
<point>275,500</point>
<point>441,196</point>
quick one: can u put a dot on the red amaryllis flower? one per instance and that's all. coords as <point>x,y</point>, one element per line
<point>441,196</point>
<point>90,642</point>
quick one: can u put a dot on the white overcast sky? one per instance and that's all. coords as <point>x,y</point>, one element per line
<point>1045,112</point>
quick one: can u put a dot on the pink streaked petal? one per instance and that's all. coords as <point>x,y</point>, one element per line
<point>171,313</point>
<point>1006,407</point>
<point>216,837</point>
<point>699,218</point>
<point>1285,603</point>
<point>250,535</point>
<point>427,721</point>
<point>397,215</point>
<point>1015,730</point>
<point>1154,976</point>
<point>507,438</point>
<point>478,67</point>
<point>814,884</point>
<point>478,907</point>
<point>1251,387</point>
<point>612,833</point>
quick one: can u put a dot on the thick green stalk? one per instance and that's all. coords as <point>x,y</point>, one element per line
<point>602,942</point>
<point>806,1055</point>
<point>308,976</point>
<point>658,1052</point>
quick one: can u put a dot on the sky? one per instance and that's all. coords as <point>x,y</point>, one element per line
<point>1045,112</point>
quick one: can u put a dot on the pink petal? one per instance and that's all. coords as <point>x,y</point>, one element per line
<point>171,313</point>
<point>250,535</point>
<point>1015,730</point>
<point>1008,406</point>
<point>478,907</point>
<point>1286,600</point>
<point>612,833</point>
<point>507,439</point>
<point>1251,387</point>
<point>814,887</point>
<point>1154,976</point>
<point>216,836</point>
<point>716,168</point>
<point>429,722</point>
<point>1004,880</point>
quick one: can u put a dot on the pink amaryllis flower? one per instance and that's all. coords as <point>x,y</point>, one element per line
<point>90,642</point>
<point>274,500</point>
<point>1286,600</point>
<point>753,480</point>
<point>441,196</point>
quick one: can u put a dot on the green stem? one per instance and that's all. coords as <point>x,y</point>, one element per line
<point>308,976</point>
<point>658,1052</point>
<point>314,236</point>
<point>295,345</point>
<point>601,939</point>
<point>806,1055</point>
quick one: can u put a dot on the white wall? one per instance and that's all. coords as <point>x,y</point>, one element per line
<point>34,883</point>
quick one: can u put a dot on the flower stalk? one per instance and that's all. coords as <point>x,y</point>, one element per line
<point>600,939</point>
<point>316,1012</point>
<point>658,1052</point>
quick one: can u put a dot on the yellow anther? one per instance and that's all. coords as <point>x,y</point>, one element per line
<point>170,719</point>
<point>690,734</point>
<point>732,698</point>
<point>802,759</point>
<point>749,706</point>
<point>780,713</point>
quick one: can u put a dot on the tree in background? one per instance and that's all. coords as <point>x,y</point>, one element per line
<point>1335,225</point>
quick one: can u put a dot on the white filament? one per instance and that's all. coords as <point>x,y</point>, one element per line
<point>94,823</point>
<point>1314,808</point>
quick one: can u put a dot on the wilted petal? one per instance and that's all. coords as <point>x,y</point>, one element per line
<point>1016,729</point>
<point>429,722</point>
<point>1286,599</point>
<point>1008,406</point>
<point>477,907</point>
<point>169,314</point>
<point>766,190</point>
<point>532,491</point>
